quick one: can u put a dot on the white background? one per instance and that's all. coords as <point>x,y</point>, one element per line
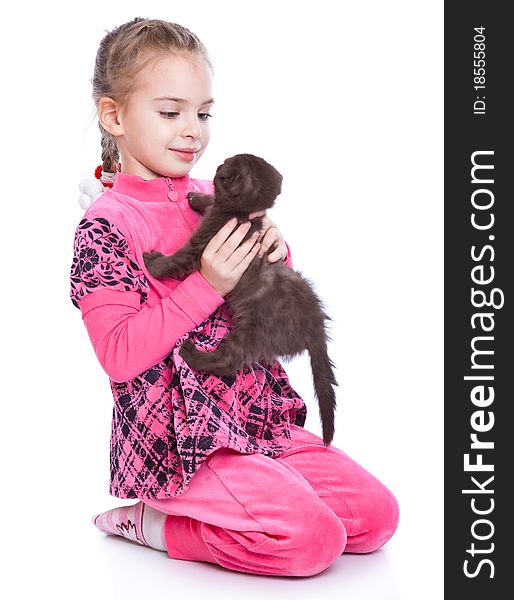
<point>345,99</point>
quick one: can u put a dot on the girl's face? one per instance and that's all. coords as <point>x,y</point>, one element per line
<point>164,129</point>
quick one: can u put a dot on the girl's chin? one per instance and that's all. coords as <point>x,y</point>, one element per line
<point>181,167</point>
<point>176,173</point>
<point>174,170</point>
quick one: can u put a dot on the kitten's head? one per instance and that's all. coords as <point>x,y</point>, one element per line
<point>246,183</point>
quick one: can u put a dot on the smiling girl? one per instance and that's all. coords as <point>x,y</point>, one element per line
<point>222,467</point>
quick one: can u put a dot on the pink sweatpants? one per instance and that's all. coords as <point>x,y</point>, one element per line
<point>293,515</point>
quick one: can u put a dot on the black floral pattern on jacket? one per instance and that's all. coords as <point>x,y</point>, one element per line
<point>102,258</point>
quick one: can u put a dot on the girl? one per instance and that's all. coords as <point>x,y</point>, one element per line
<point>222,468</point>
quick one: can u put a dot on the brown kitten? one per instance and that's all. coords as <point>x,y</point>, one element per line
<point>274,309</point>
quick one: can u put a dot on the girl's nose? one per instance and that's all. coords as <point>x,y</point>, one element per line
<point>192,127</point>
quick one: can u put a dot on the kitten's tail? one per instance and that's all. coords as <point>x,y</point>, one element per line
<point>324,382</point>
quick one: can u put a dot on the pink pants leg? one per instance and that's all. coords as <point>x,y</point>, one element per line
<point>292,515</point>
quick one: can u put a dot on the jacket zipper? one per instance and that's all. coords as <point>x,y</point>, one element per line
<point>173,197</point>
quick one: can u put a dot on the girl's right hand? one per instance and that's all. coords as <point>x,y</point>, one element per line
<point>222,263</point>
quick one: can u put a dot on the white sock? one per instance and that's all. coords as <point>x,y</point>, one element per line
<point>139,523</point>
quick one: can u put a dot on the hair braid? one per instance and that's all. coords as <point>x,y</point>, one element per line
<point>110,153</point>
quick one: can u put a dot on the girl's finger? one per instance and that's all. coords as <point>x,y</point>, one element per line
<point>221,236</point>
<point>259,213</point>
<point>230,244</point>
<point>243,265</point>
<point>277,254</point>
<point>266,225</point>
<point>270,236</point>
<point>239,254</point>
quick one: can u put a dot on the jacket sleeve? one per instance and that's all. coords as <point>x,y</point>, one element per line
<point>110,289</point>
<point>288,260</point>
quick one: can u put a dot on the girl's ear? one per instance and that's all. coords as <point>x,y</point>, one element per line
<point>108,115</point>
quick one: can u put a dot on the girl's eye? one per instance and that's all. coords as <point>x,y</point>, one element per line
<point>172,115</point>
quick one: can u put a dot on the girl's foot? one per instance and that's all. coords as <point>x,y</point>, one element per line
<point>138,523</point>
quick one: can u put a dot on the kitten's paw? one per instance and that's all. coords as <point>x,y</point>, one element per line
<point>187,352</point>
<point>155,262</point>
<point>149,257</point>
<point>193,200</point>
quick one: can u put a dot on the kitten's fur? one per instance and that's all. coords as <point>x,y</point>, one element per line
<point>274,309</point>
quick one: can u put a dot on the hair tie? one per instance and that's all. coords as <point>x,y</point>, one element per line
<point>107,178</point>
<point>92,189</point>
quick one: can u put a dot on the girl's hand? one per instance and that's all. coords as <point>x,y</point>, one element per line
<point>222,263</point>
<point>268,236</point>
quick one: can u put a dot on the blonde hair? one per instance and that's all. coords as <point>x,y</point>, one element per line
<point>123,53</point>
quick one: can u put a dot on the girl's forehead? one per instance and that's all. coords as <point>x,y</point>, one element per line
<point>175,76</point>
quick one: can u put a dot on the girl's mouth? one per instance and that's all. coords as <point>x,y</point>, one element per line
<point>187,155</point>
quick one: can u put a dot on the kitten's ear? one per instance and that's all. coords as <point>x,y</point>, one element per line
<point>229,177</point>
<point>279,182</point>
<point>243,182</point>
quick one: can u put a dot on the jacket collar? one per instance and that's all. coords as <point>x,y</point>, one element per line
<point>160,189</point>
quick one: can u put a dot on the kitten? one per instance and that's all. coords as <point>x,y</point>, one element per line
<point>275,311</point>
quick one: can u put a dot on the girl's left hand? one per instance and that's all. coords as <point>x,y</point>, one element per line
<point>268,236</point>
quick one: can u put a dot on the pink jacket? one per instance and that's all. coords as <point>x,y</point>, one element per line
<point>135,322</point>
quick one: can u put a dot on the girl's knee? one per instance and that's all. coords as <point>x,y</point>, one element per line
<point>322,539</point>
<point>380,520</point>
